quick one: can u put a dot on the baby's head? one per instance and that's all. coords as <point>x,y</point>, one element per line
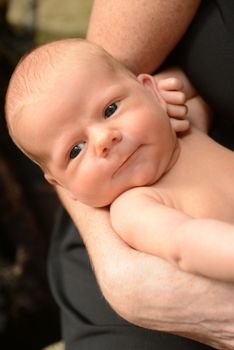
<point>87,121</point>
<point>34,84</point>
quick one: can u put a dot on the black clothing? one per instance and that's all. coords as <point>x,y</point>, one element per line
<point>206,54</point>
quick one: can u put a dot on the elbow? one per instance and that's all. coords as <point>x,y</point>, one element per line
<point>138,298</point>
<point>122,291</point>
<point>178,258</point>
<point>180,248</point>
<point>145,296</point>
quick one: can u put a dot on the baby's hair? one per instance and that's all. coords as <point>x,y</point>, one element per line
<point>32,74</point>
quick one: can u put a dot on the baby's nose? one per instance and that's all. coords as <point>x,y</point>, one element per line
<point>105,139</point>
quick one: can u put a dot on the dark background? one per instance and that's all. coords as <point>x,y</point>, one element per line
<point>29,318</point>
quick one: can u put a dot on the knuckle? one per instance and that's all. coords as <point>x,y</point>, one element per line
<point>181,97</point>
<point>176,82</point>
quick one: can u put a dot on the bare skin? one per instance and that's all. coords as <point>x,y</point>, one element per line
<point>188,213</point>
<point>112,25</point>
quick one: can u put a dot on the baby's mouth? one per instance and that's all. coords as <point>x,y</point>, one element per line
<point>120,167</point>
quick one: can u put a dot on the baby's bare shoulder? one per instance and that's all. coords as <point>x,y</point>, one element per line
<point>138,196</point>
<point>126,210</point>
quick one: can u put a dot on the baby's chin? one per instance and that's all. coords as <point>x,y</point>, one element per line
<point>96,202</point>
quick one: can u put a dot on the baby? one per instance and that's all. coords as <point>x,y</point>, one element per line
<point>106,137</point>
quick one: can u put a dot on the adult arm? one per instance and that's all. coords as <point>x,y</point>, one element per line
<point>140,33</point>
<point>148,291</point>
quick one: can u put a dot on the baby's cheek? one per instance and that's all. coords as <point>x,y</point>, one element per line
<point>90,178</point>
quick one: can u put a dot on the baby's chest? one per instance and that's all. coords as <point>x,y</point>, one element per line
<point>201,201</point>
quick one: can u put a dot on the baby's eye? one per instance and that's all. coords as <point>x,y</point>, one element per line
<point>76,150</point>
<point>110,110</point>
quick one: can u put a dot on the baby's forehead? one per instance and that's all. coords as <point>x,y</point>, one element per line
<point>38,68</point>
<point>39,71</point>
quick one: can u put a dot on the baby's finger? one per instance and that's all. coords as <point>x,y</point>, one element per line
<point>180,125</point>
<point>173,97</point>
<point>170,84</point>
<point>179,111</point>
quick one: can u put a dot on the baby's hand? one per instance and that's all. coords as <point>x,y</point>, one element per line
<point>171,90</point>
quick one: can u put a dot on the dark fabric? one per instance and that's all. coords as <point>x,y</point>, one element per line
<point>88,323</point>
<point>206,54</point>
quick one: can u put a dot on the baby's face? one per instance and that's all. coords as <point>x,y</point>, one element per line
<point>99,133</point>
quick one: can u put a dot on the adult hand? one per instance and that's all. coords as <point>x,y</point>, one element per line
<point>149,292</point>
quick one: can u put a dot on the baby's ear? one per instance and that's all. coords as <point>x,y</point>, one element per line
<point>49,178</point>
<point>179,125</point>
<point>150,84</point>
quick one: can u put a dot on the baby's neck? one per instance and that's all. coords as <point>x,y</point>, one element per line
<point>202,155</point>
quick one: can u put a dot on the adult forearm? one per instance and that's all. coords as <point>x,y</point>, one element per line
<point>140,34</point>
<point>151,293</point>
